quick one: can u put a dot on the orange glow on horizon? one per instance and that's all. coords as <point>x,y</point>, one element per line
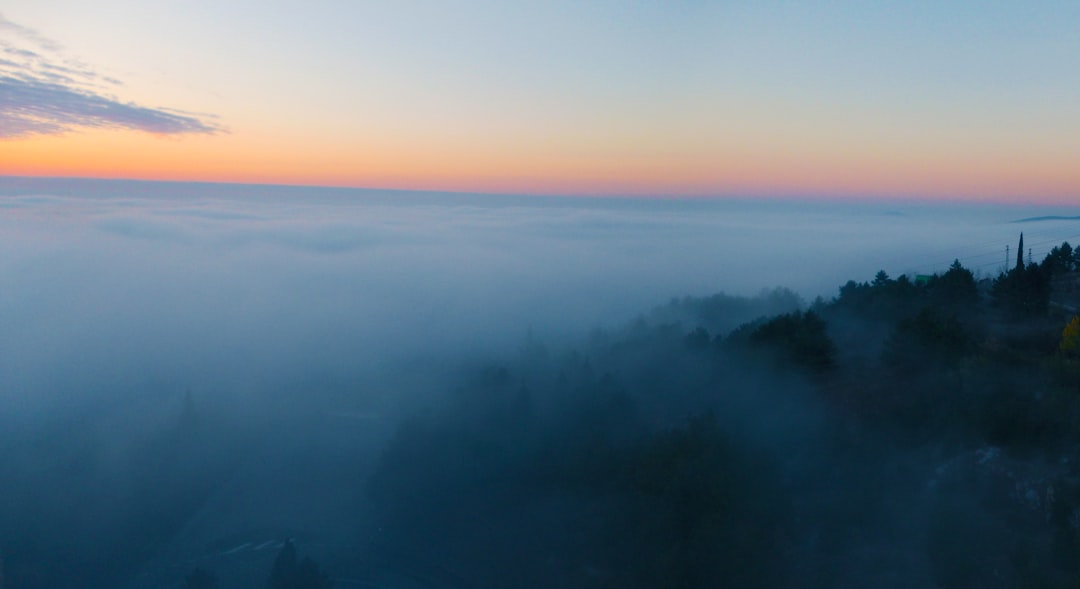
<point>715,172</point>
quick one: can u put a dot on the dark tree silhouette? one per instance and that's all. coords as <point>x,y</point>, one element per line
<point>800,338</point>
<point>1020,253</point>
<point>1060,260</point>
<point>954,290</point>
<point>201,578</point>
<point>927,341</point>
<point>1023,292</point>
<point>291,573</point>
<point>697,339</point>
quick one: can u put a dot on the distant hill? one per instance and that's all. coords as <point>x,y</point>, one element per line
<point>1047,218</point>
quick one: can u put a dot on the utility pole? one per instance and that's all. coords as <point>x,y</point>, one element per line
<point>1029,256</point>
<point>1006,257</point>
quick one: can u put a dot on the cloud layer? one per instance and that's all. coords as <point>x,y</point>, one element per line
<point>43,92</point>
<point>228,287</point>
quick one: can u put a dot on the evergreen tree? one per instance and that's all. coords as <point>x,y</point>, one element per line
<point>955,289</point>
<point>800,337</point>
<point>1060,260</point>
<point>1023,292</point>
<point>284,573</point>
<point>927,341</point>
<point>291,573</point>
<point>201,578</point>
<point>1020,253</point>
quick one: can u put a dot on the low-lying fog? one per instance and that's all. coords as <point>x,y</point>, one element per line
<point>119,298</point>
<point>116,286</point>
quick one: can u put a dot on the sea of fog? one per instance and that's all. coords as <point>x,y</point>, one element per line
<point>127,286</point>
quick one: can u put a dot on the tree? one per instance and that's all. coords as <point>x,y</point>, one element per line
<point>697,339</point>
<point>926,341</point>
<point>1023,292</point>
<point>289,573</point>
<point>800,338</point>
<point>201,578</point>
<point>1070,337</point>
<point>955,289</point>
<point>1059,260</point>
<point>284,573</point>
<point>1020,253</point>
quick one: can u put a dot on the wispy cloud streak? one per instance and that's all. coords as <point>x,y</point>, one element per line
<point>35,106</point>
<point>43,92</point>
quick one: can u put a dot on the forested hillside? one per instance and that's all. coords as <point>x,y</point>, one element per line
<point>905,433</point>
<point>908,432</point>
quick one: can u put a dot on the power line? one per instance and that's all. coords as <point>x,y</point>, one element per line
<point>1038,248</point>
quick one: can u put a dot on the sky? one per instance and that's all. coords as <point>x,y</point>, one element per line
<point>957,100</point>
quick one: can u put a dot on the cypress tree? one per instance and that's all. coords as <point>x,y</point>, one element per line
<point>1020,253</point>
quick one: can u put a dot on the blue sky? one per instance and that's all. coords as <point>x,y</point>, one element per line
<point>968,100</point>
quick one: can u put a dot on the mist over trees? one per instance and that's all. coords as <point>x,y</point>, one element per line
<point>902,434</point>
<point>908,431</point>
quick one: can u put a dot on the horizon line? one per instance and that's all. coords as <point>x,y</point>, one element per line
<point>778,197</point>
